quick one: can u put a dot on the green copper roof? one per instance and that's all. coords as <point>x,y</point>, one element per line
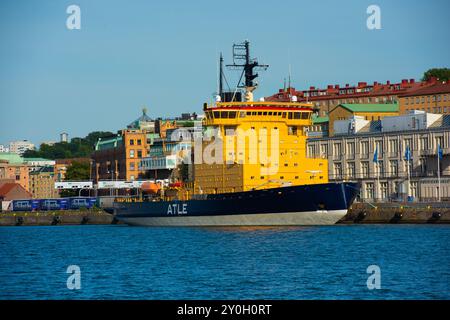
<point>35,159</point>
<point>108,143</point>
<point>370,107</point>
<point>12,158</point>
<point>317,120</point>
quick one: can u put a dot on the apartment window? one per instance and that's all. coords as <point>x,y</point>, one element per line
<point>380,168</point>
<point>351,169</point>
<point>413,189</point>
<point>338,171</point>
<point>351,148</point>
<point>131,142</point>
<point>393,168</point>
<point>365,169</point>
<point>131,153</point>
<point>139,142</point>
<point>18,177</point>
<point>370,190</point>
<point>337,150</point>
<point>324,150</point>
<point>379,147</point>
<point>365,147</point>
<point>131,166</point>
<point>139,153</point>
<point>384,190</point>
<point>393,146</point>
<point>424,143</point>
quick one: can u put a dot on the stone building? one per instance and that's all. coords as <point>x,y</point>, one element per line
<point>351,156</point>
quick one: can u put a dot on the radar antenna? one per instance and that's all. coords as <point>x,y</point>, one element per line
<point>241,59</point>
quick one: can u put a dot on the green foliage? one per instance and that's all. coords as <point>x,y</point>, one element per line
<point>443,74</point>
<point>76,148</point>
<point>78,171</point>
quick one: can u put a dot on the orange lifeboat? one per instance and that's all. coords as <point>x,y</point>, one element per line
<point>150,187</point>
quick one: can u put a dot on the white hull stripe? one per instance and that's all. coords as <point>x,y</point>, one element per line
<point>267,219</point>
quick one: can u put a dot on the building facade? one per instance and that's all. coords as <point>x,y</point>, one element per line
<point>42,183</point>
<point>325,99</point>
<point>351,157</point>
<point>369,112</point>
<point>13,168</point>
<point>19,147</point>
<point>118,157</point>
<point>435,99</point>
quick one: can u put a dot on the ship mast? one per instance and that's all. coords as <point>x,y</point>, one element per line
<point>241,59</point>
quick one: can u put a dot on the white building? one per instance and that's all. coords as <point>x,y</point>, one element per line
<point>20,146</point>
<point>350,156</point>
<point>3,148</point>
<point>64,137</point>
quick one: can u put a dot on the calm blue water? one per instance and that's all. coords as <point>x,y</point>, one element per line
<point>121,262</point>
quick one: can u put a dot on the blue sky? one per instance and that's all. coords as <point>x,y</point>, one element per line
<point>163,54</point>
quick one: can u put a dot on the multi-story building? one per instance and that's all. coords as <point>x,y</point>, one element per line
<point>36,163</point>
<point>166,154</point>
<point>118,157</point>
<point>434,98</point>
<point>42,183</point>
<point>327,99</point>
<point>3,148</point>
<point>351,155</point>
<point>366,111</point>
<point>13,168</point>
<point>20,147</point>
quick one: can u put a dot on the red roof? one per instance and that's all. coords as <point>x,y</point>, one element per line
<point>7,187</point>
<point>365,90</point>
<point>436,88</point>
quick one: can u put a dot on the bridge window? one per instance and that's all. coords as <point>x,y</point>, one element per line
<point>217,114</point>
<point>289,115</point>
<point>305,115</point>
<point>297,115</point>
<point>284,115</point>
<point>232,114</point>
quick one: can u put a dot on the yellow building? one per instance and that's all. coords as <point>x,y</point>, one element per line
<point>42,183</point>
<point>432,99</point>
<point>262,145</point>
<point>370,112</point>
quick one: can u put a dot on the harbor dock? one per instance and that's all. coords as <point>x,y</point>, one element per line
<point>359,213</point>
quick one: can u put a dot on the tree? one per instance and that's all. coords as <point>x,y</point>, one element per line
<point>76,148</point>
<point>443,74</point>
<point>77,171</point>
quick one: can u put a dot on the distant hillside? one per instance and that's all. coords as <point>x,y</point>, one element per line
<point>76,148</point>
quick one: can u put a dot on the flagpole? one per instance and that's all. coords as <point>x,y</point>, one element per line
<point>439,174</point>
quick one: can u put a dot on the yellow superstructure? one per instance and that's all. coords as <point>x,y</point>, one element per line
<point>263,146</point>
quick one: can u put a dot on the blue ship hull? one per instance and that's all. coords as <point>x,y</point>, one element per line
<point>319,204</point>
